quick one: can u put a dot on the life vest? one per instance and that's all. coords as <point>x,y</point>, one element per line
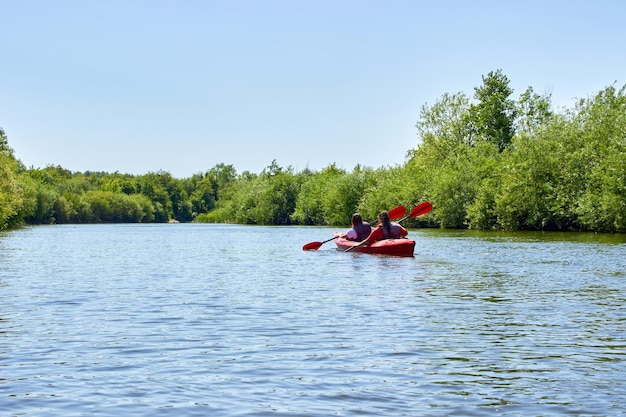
<point>362,230</point>
<point>396,232</point>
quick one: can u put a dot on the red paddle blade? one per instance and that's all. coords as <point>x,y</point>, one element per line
<point>421,209</point>
<point>312,246</point>
<point>397,212</point>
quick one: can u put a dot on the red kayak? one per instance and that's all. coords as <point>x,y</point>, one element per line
<point>395,247</point>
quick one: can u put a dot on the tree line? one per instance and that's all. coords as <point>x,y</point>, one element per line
<point>486,161</point>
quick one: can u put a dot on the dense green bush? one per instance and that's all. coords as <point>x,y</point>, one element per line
<point>486,162</point>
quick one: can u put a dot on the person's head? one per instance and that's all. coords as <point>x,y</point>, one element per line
<point>383,218</point>
<point>356,219</point>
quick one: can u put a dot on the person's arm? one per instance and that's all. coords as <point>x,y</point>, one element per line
<point>376,234</point>
<point>351,235</point>
<point>398,230</point>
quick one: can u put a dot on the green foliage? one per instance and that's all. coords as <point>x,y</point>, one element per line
<point>218,215</point>
<point>309,209</point>
<point>486,162</point>
<point>10,195</point>
<point>201,190</point>
<point>444,126</point>
<point>45,197</point>
<point>529,186</point>
<point>492,118</point>
<point>5,149</point>
<point>268,198</point>
<point>108,206</point>
<point>602,120</point>
<point>452,189</point>
<point>344,195</point>
<point>533,112</point>
<point>518,165</point>
<point>116,183</point>
<point>453,164</point>
<point>154,186</point>
<point>28,191</point>
<point>385,189</point>
<point>312,205</point>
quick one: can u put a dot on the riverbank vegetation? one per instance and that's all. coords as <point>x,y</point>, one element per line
<point>485,161</point>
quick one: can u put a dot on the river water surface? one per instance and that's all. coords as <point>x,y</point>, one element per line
<point>225,320</point>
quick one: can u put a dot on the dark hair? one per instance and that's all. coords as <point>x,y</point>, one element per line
<point>383,218</point>
<point>356,219</point>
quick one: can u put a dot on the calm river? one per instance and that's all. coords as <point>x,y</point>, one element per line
<point>224,320</point>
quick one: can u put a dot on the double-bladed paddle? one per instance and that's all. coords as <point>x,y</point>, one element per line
<point>394,214</point>
<point>418,210</point>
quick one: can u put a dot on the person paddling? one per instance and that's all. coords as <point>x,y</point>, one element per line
<point>360,229</point>
<point>386,229</point>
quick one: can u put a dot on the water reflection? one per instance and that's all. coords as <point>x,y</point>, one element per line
<point>528,236</point>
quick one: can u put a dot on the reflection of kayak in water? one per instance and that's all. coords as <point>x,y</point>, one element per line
<point>395,247</point>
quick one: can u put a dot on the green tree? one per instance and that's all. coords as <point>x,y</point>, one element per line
<point>444,125</point>
<point>10,200</point>
<point>206,189</point>
<point>454,186</point>
<point>118,183</point>
<point>343,196</point>
<point>384,189</point>
<point>10,194</point>
<point>5,149</point>
<point>311,206</point>
<point>222,176</point>
<point>242,204</point>
<point>45,197</point>
<point>602,120</point>
<point>440,168</point>
<point>533,112</point>
<point>201,190</point>
<point>111,207</point>
<point>309,209</point>
<point>270,197</point>
<point>152,186</point>
<point>493,117</point>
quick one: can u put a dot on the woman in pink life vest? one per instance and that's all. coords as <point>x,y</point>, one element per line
<point>386,229</point>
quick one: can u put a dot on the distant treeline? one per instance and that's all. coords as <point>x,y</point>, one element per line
<point>485,162</point>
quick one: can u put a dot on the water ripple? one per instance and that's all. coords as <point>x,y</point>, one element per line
<point>185,320</point>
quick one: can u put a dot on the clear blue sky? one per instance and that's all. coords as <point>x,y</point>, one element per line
<point>138,86</point>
